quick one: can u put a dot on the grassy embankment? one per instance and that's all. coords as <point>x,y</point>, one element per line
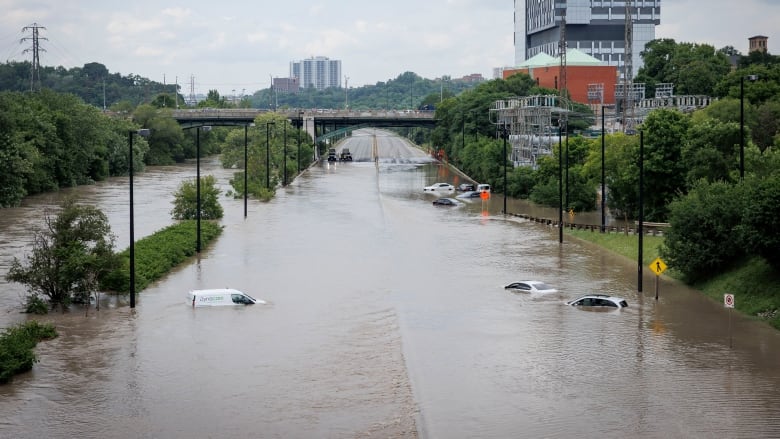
<point>755,285</point>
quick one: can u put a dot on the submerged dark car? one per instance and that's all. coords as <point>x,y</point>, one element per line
<point>445,202</point>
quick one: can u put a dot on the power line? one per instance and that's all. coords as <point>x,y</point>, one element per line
<point>36,48</point>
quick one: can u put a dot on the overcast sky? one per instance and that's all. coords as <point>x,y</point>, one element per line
<point>237,46</point>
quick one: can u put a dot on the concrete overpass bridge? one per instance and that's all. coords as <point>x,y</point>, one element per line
<point>321,124</point>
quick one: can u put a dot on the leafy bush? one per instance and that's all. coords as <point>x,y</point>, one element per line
<point>16,347</point>
<point>36,305</point>
<point>704,237</point>
<point>185,202</point>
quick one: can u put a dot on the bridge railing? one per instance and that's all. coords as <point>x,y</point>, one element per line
<point>246,113</point>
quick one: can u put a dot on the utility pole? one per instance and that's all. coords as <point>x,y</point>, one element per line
<point>346,92</point>
<point>628,70</point>
<point>36,48</point>
<point>193,99</point>
<point>562,51</point>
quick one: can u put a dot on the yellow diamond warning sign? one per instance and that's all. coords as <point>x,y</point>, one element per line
<point>657,266</point>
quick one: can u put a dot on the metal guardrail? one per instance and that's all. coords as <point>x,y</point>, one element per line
<point>243,113</point>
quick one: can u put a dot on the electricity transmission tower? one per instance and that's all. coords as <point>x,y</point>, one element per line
<point>35,72</point>
<point>628,71</point>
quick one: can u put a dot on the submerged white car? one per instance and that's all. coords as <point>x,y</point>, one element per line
<point>531,286</point>
<point>439,187</point>
<point>220,297</point>
<point>599,300</point>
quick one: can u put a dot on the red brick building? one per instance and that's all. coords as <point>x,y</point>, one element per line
<point>583,73</point>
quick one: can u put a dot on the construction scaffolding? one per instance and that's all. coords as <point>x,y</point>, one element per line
<point>529,123</point>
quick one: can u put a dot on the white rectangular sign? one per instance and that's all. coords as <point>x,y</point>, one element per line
<point>728,300</point>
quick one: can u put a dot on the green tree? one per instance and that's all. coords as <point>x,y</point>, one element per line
<point>760,223</point>
<point>665,132</point>
<point>69,256</point>
<point>710,151</point>
<point>703,238</point>
<point>185,200</point>
<point>766,130</point>
<point>694,69</point>
<point>621,169</point>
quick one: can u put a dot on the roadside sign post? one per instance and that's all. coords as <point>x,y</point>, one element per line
<point>728,302</point>
<point>657,266</point>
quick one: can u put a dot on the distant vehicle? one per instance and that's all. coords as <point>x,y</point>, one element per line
<point>483,188</point>
<point>445,202</point>
<point>220,297</point>
<point>472,194</point>
<point>600,300</point>
<point>345,155</point>
<point>439,187</point>
<point>332,157</point>
<point>531,286</point>
<point>466,187</point>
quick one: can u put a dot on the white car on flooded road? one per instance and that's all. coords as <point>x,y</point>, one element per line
<point>600,301</point>
<point>531,286</point>
<point>439,187</point>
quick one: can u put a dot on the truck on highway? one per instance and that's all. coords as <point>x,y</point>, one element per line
<point>332,157</point>
<point>346,156</point>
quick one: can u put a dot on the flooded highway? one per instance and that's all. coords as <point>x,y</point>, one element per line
<point>386,317</point>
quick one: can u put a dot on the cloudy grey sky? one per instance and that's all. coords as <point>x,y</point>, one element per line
<point>237,45</point>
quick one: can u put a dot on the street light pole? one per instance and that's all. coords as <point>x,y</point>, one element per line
<point>143,133</point>
<point>268,154</point>
<point>560,181</point>
<point>505,135</point>
<point>298,157</point>
<point>246,168</point>
<point>197,185</point>
<point>284,158</point>
<point>640,230</point>
<point>603,188</point>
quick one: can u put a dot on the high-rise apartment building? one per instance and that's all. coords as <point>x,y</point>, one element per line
<point>317,72</point>
<point>596,27</point>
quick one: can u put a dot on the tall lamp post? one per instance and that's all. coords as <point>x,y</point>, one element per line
<point>603,188</point>
<point>143,133</point>
<point>505,135</point>
<point>284,158</point>
<point>298,157</point>
<point>640,230</point>
<point>560,181</point>
<point>268,154</point>
<point>750,78</point>
<point>197,182</point>
<point>246,166</point>
<point>198,129</point>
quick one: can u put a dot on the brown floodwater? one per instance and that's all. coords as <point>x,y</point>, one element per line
<point>386,317</point>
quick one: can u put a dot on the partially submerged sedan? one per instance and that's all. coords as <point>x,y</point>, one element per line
<point>472,194</point>
<point>445,202</point>
<point>599,300</point>
<point>439,187</point>
<point>531,286</point>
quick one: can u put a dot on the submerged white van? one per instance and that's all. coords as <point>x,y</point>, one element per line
<point>220,297</point>
<point>483,188</point>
